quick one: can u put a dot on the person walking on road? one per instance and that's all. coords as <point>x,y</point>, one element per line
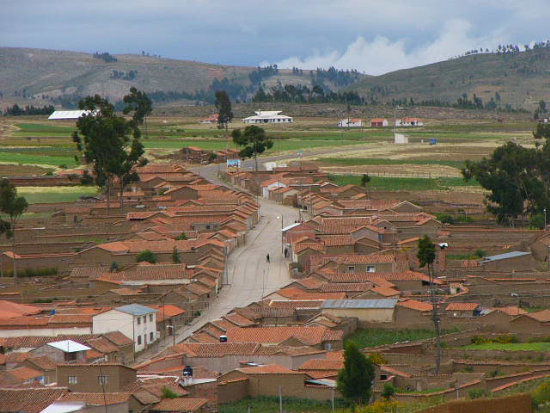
<point>267,258</point>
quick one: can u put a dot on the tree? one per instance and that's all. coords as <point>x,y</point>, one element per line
<point>518,178</point>
<point>175,256</point>
<point>355,380</point>
<point>388,391</point>
<point>426,257</point>
<point>106,142</point>
<point>139,103</point>
<point>223,104</point>
<point>254,140</point>
<point>14,206</point>
<point>147,256</point>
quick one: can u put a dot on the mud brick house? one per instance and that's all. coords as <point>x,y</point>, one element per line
<point>268,380</point>
<point>95,378</point>
<point>413,314</point>
<point>365,311</point>
<point>509,262</point>
<point>64,351</point>
<point>317,337</point>
<point>224,357</point>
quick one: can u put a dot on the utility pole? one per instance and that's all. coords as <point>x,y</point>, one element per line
<point>280,400</point>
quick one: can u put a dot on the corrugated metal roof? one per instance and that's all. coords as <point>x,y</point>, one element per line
<point>382,303</point>
<point>512,254</point>
<point>323,382</point>
<point>136,309</point>
<point>67,114</point>
<point>69,346</point>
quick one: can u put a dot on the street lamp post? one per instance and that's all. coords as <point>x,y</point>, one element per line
<point>282,227</point>
<point>544,210</point>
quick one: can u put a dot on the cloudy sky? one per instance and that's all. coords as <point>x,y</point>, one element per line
<point>372,36</point>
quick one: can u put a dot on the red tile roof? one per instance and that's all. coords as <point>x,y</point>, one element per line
<point>179,404</point>
<point>28,400</point>
<point>462,307</point>
<point>277,335</point>
<point>268,369</point>
<point>415,305</point>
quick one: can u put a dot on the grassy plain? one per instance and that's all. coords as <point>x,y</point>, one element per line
<point>54,194</point>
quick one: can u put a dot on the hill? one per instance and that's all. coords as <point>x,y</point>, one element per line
<point>518,79</point>
<point>43,77</point>
<point>38,77</point>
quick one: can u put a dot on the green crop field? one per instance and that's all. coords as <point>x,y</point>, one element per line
<point>402,184</point>
<point>373,337</point>
<point>542,346</point>
<point>382,161</point>
<point>53,194</point>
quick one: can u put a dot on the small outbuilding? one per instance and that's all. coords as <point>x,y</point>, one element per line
<point>378,122</point>
<point>365,311</point>
<point>268,116</point>
<point>350,123</point>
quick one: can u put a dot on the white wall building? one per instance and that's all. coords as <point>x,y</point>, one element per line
<point>135,321</point>
<point>350,123</point>
<point>408,122</point>
<point>269,186</point>
<point>400,139</point>
<point>268,116</point>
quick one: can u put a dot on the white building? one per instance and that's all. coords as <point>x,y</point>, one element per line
<point>135,321</point>
<point>399,138</point>
<point>350,123</point>
<point>270,185</point>
<point>68,114</point>
<point>268,116</point>
<point>408,122</point>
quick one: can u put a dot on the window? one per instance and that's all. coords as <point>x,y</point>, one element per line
<point>139,340</point>
<point>103,380</point>
<point>151,318</point>
<point>351,268</point>
<point>73,380</point>
<point>151,336</point>
<point>371,268</point>
<point>139,320</point>
<point>68,357</point>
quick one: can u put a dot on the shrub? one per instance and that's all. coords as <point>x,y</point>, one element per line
<point>168,394</point>
<point>468,369</point>
<point>33,272</point>
<point>542,393</point>
<point>182,236</point>
<point>388,391</point>
<point>480,253</point>
<point>42,300</point>
<point>477,393</point>
<point>464,219</point>
<point>445,218</point>
<point>147,256</point>
<point>536,221</point>
<point>114,267</point>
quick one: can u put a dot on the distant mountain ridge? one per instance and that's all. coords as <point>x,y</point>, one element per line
<point>43,77</point>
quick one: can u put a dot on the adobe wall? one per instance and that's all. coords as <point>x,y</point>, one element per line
<point>511,404</point>
<point>232,391</point>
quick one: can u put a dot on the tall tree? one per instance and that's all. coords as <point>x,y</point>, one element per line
<point>426,257</point>
<point>223,104</point>
<point>110,142</point>
<point>254,140</point>
<point>355,380</point>
<point>14,206</point>
<point>139,103</point>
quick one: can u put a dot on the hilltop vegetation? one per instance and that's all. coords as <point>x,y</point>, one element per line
<point>505,80</point>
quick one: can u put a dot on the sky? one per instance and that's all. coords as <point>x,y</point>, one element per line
<point>372,36</point>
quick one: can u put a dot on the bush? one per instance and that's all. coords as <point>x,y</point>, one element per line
<point>182,236</point>
<point>168,394</point>
<point>536,221</point>
<point>147,256</point>
<point>542,393</point>
<point>388,391</point>
<point>477,393</point>
<point>480,253</point>
<point>32,272</point>
<point>445,218</point>
<point>464,219</point>
<point>502,339</point>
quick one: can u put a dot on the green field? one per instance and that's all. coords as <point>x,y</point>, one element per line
<point>373,337</point>
<point>402,184</point>
<point>53,194</point>
<point>543,346</point>
<point>271,404</point>
<point>381,161</point>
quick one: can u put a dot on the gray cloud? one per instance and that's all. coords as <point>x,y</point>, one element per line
<point>369,35</point>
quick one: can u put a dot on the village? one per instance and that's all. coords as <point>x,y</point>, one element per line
<point>208,283</point>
